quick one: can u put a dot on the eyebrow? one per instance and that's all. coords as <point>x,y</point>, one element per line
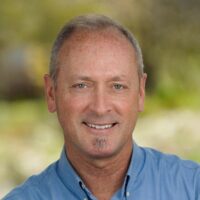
<point>87,78</point>
<point>119,78</point>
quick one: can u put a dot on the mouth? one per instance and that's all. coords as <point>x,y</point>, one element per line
<point>100,126</point>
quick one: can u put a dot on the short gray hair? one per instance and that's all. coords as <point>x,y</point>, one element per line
<point>91,22</point>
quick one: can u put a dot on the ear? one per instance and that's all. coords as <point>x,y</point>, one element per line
<point>50,93</point>
<point>142,92</point>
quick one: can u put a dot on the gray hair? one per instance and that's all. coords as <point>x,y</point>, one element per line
<point>91,22</point>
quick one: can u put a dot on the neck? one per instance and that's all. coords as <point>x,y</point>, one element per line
<point>103,177</point>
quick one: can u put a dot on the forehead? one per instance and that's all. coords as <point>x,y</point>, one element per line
<point>106,48</point>
<point>84,38</point>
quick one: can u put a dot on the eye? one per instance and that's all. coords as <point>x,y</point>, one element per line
<point>80,85</point>
<point>118,86</point>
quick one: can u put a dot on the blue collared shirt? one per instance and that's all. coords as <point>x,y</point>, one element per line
<point>151,175</point>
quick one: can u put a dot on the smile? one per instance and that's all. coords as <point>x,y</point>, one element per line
<point>100,127</point>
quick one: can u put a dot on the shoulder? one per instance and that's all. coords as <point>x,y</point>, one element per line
<point>173,170</point>
<point>169,160</point>
<point>34,187</point>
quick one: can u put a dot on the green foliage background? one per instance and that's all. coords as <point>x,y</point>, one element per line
<point>168,32</point>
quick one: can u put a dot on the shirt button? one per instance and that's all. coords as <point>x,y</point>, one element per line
<point>83,186</point>
<point>127,194</point>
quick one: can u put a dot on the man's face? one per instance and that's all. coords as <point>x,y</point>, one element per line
<point>98,93</point>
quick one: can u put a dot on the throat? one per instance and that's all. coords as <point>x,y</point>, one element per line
<point>103,180</point>
<point>103,177</point>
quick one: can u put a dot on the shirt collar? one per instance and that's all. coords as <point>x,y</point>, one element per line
<point>68,175</point>
<point>72,181</point>
<point>137,161</point>
<point>135,168</point>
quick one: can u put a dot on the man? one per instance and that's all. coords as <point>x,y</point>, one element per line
<point>97,87</point>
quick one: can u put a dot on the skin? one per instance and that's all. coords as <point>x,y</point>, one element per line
<point>97,84</point>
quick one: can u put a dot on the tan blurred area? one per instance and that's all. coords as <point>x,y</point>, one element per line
<point>169,35</point>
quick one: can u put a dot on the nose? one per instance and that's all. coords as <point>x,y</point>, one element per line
<point>100,102</point>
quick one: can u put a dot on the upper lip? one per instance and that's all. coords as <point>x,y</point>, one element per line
<point>99,123</point>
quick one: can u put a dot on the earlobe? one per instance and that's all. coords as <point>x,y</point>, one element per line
<point>142,92</point>
<point>50,93</point>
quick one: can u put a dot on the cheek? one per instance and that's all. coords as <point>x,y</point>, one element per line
<point>76,103</point>
<point>128,111</point>
<point>127,105</point>
<point>70,106</point>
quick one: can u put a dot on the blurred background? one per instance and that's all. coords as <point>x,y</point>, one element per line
<point>169,34</point>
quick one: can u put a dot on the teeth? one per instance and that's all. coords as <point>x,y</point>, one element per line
<point>106,126</point>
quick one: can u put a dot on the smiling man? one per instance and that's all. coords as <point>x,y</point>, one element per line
<point>96,86</point>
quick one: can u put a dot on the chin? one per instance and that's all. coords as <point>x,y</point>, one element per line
<point>102,153</point>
